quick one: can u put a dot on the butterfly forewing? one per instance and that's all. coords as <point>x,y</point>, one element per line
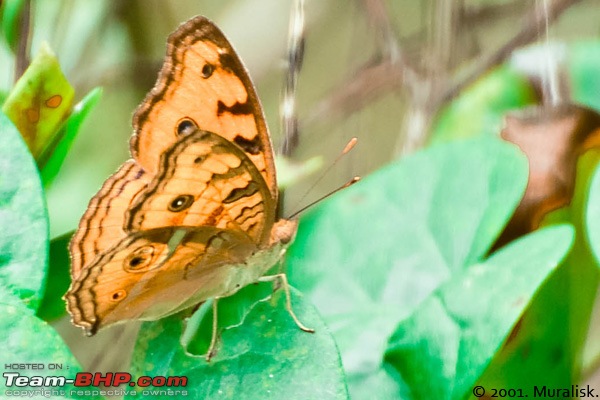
<point>203,83</point>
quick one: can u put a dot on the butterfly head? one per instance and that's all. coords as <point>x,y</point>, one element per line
<point>284,231</point>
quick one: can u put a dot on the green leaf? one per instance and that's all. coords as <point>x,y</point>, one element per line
<point>592,215</point>
<point>53,306</point>
<point>40,101</point>
<point>480,109</point>
<point>11,16</point>
<point>23,217</point>
<point>53,157</point>
<point>444,347</point>
<point>265,357</point>
<point>370,255</point>
<point>29,340</point>
<point>290,172</point>
<point>232,312</point>
<point>545,349</point>
<point>583,64</point>
<point>3,96</point>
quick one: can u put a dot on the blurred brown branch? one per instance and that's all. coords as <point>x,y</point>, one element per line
<point>22,53</point>
<point>369,84</point>
<point>389,74</point>
<point>379,18</point>
<point>528,33</point>
<point>492,12</point>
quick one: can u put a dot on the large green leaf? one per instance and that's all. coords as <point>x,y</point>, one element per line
<point>23,217</point>
<point>54,155</point>
<point>592,214</point>
<point>27,340</point>
<point>550,349</point>
<point>58,280</point>
<point>576,287</point>
<point>368,257</point>
<point>444,347</point>
<point>265,357</point>
<point>583,65</point>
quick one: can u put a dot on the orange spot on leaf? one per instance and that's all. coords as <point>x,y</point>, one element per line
<point>33,115</point>
<point>54,101</point>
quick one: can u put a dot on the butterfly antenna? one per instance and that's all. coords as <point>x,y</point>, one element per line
<point>289,117</point>
<point>344,186</point>
<point>349,146</point>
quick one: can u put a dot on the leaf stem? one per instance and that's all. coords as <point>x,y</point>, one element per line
<point>22,56</point>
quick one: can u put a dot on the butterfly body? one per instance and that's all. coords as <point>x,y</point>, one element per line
<point>193,215</point>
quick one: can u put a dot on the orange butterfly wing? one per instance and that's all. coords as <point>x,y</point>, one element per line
<point>218,190</point>
<point>150,271</point>
<point>205,180</point>
<point>202,83</point>
<point>142,277</point>
<point>102,224</point>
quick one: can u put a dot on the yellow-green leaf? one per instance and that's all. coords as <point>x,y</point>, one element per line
<point>40,101</point>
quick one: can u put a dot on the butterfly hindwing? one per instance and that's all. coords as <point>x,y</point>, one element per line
<point>102,224</point>
<point>204,180</point>
<point>172,265</point>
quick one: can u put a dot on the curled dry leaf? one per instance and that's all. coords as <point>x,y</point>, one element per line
<point>553,138</point>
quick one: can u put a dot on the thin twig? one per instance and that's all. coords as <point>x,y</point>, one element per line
<point>370,83</point>
<point>527,34</point>
<point>289,117</point>
<point>442,37</point>
<point>367,85</point>
<point>379,18</point>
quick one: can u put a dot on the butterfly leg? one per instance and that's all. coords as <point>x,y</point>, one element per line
<point>288,298</point>
<point>212,349</point>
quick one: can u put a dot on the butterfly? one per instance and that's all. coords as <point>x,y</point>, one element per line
<point>193,215</point>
